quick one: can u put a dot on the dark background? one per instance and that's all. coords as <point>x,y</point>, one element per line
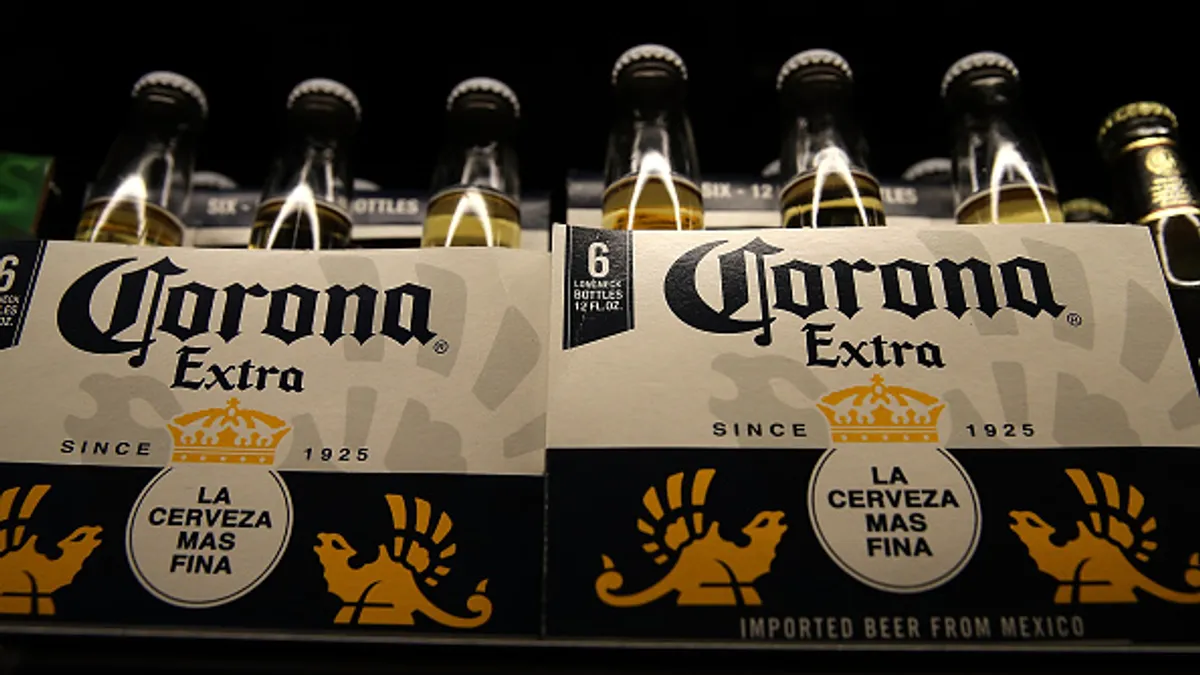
<point>68,70</point>
<point>68,92</point>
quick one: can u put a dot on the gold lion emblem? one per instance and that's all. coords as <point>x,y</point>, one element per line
<point>1161,162</point>
<point>28,579</point>
<point>1097,566</point>
<point>388,590</point>
<point>705,568</point>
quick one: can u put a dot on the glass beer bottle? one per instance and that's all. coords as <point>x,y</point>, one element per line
<point>475,183</point>
<point>824,155</point>
<point>1000,173</point>
<point>651,174</point>
<point>306,199</point>
<point>144,185</point>
<point>1153,188</point>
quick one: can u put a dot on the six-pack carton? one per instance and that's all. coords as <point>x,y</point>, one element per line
<point>868,435</point>
<point>272,440</point>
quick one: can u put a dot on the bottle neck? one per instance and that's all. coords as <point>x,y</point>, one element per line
<point>651,141</point>
<point>314,164</point>
<point>1151,181</point>
<point>152,160</point>
<point>993,145</point>
<point>479,153</point>
<point>820,131</point>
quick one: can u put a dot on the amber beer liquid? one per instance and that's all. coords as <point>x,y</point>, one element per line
<point>1140,143</point>
<point>823,152</point>
<point>651,172</point>
<point>655,204</point>
<point>1086,210</point>
<point>281,223</point>
<point>145,182</point>
<point>309,187</point>
<point>476,184</point>
<point>1000,172</point>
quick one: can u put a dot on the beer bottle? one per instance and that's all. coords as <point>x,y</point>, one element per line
<point>143,186</point>
<point>650,172</point>
<point>932,171</point>
<point>824,156</point>
<point>475,182</point>
<point>1086,210</point>
<point>1152,187</point>
<point>306,199</point>
<point>1000,173</point>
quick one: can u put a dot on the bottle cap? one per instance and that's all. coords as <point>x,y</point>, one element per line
<point>364,185</point>
<point>809,58</point>
<point>978,61</point>
<point>212,180</point>
<point>927,167</point>
<point>648,52</point>
<point>1141,109</point>
<point>1087,205</point>
<point>484,84</point>
<point>319,85</point>
<point>165,78</point>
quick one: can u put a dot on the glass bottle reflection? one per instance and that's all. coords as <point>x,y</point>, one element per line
<point>651,172</point>
<point>1000,173</point>
<point>305,203</point>
<point>144,185</point>
<point>476,182</point>
<point>824,154</point>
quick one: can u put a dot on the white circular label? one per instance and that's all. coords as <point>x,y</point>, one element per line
<point>898,517</point>
<point>201,536</point>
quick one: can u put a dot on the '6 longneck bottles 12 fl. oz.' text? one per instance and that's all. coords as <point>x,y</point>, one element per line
<point>651,174</point>
<point>142,190</point>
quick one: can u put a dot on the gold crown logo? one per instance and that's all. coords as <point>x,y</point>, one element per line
<point>880,414</point>
<point>227,435</point>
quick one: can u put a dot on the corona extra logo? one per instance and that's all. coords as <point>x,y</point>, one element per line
<point>705,568</point>
<point>389,590</point>
<point>227,435</point>
<point>877,413</point>
<point>1100,565</point>
<point>28,577</point>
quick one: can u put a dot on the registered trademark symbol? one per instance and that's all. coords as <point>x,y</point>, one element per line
<point>441,347</point>
<point>1074,319</point>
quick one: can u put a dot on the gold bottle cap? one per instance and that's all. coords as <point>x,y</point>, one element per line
<point>1135,110</point>
<point>1087,205</point>
<point>648,52</point>
<point>320,85</point>
<point>164,78</point>
<point>812,57</point>
<point>926,167</point>
<point>484,84</point>
<point>977,61</point>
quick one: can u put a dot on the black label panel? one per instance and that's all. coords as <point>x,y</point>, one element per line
<point>598,283</point>
<point>1074,547</point>
<point>19,263</point>
<point>394,553</point>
